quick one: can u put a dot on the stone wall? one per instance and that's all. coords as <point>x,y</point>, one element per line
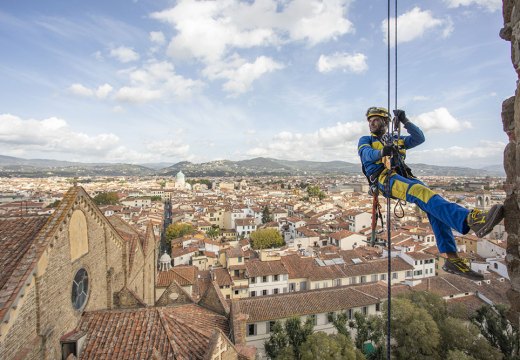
<point>511,122</point>
<point>45,313</point>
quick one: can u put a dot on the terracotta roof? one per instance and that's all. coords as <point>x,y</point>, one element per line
<point>178,251</point>
<point>305,303</point>
<point>265,268</point>
<point>342,234</point>
<point>234,252</point>
<point>181,332</point>
<point>183,275</point>
<point>222,277</point>
<point>420,256</point>
<point>18,241</point>
<point>447,285</point>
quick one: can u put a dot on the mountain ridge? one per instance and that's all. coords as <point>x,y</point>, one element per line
<point>259,166</point>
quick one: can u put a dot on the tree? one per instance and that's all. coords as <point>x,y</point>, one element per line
<point>106,198</point>
<point>458,355</point>
<point>213,232</point>
<point>277,342</point>
<point>314,191</point>
<point>328,347</point>
<point>434,304</point>
<point>495,327</point>
<point>284,343</point>
<point>156,198</point>
<point>297,333</point>
<point>266,238</point>
<point>177,230</point>
<point>266,215</point>
<point>370,329</point>
<point>457,335</point>
<point>415,332</point>
<point>340,322</point>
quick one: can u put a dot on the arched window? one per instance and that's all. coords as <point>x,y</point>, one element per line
<point>78,235</point>
<point>80,289</point>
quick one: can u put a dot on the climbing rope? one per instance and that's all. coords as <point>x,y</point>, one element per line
<point>387,180</point>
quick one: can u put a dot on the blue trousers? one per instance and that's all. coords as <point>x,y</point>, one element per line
<point>442,214</point>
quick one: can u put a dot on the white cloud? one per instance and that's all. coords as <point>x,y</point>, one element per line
<point>239,74</point>
<point>137,94</point>
<point>124,54</point>
<point>168,148</point>
<point>51,135</point>
<point>316,21</point>
<point>154,81</point>
<point>157,37</point>
<point>356,63</point>
<point>330,143</point>
<point>420,98</point>
<point>21,137</point>
<point>440,120</point>
<point>209,30</point>
<point>473,156</point>
<point>413,25</point>
<point>490,5</point>
<point>101,92</point>
<point>81,90</point>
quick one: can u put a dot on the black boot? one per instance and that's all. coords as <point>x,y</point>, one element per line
<point>459,266</point>
<point>483,222</point>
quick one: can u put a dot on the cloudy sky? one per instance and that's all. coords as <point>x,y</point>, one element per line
<point>167,81</point>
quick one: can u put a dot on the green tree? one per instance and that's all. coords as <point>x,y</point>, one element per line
<point>434,304</point>
<point>177,230</point>
<point>458,355</point>
<point>156,198</point>
<point>340,322</point>
<point>314,191</point>
<point>415,332</point>
<point>370,329</point>
<point>213,232</point>
<point>458,335</point>
<point>277,342</point>
<point>297,333</point>
<point>285,342</point>
<point>266,215</point>
<point>266,238</point>
<point>328,347</point>
<point>106,198</point>
<point>495,327</point>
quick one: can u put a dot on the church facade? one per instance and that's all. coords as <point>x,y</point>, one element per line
<point>58,267</point>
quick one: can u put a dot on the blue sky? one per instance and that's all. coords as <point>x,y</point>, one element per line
<point>150,81</point>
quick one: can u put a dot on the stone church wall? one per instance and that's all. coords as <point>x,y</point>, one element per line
<point>47,313</point>
<point>24,327</point>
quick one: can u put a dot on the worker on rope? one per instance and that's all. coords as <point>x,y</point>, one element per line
<point>401,184</point>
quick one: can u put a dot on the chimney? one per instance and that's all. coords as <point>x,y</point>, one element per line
<point>239,328</point>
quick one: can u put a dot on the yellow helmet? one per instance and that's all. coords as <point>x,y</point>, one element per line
<point>378,111</point>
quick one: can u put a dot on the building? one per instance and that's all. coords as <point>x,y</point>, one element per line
<point>253,318</point>
<point>63,266</point>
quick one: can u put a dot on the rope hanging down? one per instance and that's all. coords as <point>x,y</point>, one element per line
<point>391,130</point>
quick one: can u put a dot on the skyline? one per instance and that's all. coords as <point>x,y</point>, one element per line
<point>167,81</point>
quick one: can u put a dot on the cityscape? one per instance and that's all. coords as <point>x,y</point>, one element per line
<point>260,179</point>
<point>196,275</point>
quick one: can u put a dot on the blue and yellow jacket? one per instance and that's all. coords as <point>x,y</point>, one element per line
<point>369,147</point>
